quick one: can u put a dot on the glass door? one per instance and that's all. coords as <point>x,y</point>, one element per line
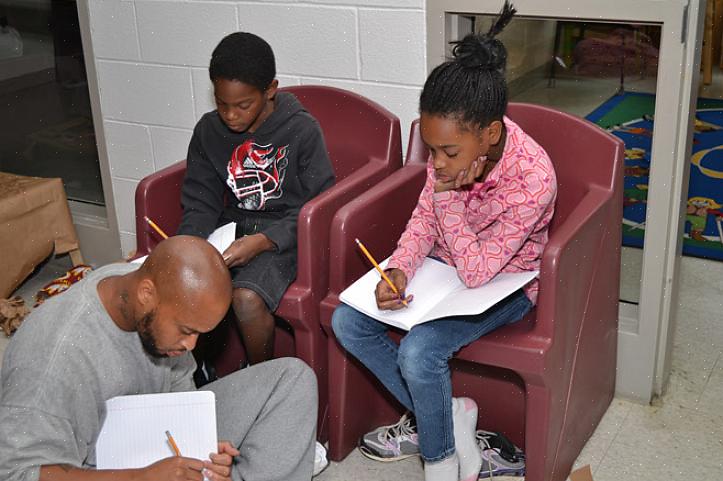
<point>618,63</point>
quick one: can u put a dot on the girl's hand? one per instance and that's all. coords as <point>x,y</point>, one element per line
<point>245,248</point>
<point>466,176</point>
<point>387,299</point>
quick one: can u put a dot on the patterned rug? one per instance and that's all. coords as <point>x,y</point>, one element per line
<point>630,116</point>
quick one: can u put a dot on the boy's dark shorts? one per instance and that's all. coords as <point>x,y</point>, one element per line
<point>270,273</point>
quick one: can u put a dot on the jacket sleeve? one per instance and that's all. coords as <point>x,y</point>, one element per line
<point>315,175</point>
<point>201,194</point>
<point>418,238</point>
<point>480,255</point>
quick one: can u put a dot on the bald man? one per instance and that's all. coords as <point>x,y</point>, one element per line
<point>129,330</point>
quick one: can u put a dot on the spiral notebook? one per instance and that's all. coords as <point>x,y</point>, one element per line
<point>134,430</point>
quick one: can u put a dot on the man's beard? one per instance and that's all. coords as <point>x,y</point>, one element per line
<point>145,333</point>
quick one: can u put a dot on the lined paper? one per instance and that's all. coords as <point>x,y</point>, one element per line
<point>134,431</point>
<point>438,292</point>
<point>221,238</point>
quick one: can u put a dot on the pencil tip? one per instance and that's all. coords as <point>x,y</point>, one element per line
<point>357,241</point>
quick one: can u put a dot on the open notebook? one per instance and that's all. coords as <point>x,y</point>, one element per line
<point>438,292</point>
<point>134,431</point>
<point>221,238</point>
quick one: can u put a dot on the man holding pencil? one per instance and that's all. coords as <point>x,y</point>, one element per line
<point>129,330</point>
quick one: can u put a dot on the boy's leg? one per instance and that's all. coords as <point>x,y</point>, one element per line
<point>256,323</point>
<point>268,411</point>
<point>367,340</point>
<point>424,354</point>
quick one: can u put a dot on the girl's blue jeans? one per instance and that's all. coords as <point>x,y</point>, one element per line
<point>416,371</point>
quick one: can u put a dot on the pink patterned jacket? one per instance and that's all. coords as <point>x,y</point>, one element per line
<point>499,225</point>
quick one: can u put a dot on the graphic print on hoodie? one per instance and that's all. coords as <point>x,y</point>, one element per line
<point>261,179</point>
<point>256,174</point>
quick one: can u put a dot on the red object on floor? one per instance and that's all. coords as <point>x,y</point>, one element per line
<point>545,381</point>
<point>364,144</point>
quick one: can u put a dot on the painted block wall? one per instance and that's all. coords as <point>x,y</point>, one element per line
<point>152,57</point>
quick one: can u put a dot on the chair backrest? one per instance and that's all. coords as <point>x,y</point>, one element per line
<point>581,152</point>
<point>356,129</point>
<point>417,152</point>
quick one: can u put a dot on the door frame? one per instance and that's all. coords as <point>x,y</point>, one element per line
<point>97,226</point>
<point>644,347</point>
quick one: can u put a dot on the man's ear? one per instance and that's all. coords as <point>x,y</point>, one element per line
<point>147,295</point>
<point>271,89</point>
<point>495,129</point>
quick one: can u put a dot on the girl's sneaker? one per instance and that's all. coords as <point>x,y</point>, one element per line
<point>392,443</point>
<point>499,456</point>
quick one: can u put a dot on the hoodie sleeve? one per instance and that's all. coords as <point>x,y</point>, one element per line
<point>315,175</point>
<point>201,194</point>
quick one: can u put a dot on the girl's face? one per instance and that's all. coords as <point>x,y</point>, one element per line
<point>454,146</point>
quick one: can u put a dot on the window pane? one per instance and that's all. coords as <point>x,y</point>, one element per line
<point>46,127</point>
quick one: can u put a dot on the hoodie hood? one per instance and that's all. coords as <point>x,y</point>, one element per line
<point>286,106</point>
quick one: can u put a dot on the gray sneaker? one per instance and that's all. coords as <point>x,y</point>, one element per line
<point>392,443</point>
<point>499,456</point>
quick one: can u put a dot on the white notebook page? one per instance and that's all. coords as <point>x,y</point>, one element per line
<point>221,238</point>
<point>134,431</point>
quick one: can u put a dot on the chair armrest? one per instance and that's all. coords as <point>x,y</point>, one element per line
<point>158,196</point>
<point>569,264</point>
<point>377,217</point>
<point>314,221</point>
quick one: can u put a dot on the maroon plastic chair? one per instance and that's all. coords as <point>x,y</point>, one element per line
<point>544,381</point>
<point>364,143</point>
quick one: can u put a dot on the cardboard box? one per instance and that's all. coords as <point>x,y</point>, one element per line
<point>35,221</point>
<point>582,474</point>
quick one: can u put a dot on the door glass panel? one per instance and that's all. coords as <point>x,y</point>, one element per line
<point>46,127</point>
<point>605,72</point>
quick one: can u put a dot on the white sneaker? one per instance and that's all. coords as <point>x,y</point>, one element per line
<point>320,460</point>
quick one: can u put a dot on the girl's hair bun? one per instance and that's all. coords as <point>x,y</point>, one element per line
<point>485,51</point>
<point>480,52</point>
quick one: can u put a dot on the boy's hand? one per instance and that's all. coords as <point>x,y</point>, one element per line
<point>219,467</point>
<point>245,248</point>
<point>387,299</point>
<point>466,176</point>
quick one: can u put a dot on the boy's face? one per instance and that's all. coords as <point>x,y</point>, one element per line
<point>243,107</point>
<point>453,146</point>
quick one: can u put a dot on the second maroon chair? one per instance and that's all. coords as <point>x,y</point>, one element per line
<point>364,143</point>
<point>544,381</point>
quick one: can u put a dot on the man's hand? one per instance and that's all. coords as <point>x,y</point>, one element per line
<point>219,467</point>
<point>170,469</point>
<point>243,249</point>
<point>387,299</point>
<point>467,176</point>
<point>175,468</point>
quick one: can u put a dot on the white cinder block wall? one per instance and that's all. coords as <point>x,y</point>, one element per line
<point>152,59</point>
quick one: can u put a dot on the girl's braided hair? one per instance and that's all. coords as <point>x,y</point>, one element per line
<point>471,87</point>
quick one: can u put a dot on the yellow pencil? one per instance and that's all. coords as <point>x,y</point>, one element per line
<point>173,443</point>
<point>381,272</point>
<point>155,227</point>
